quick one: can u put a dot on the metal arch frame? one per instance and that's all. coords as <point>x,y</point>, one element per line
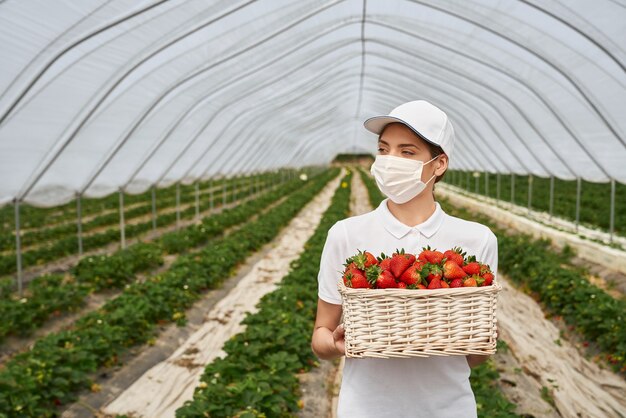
<point>574,28</point>
<point>477,97</point>
<point>312,123</point>
<point>238,116</point>
<point>261,115</point>
<point>384,88</point>
<point>608,176</point>
<point>556,67</point>
<point>108,91</point>
<point>517,81</point>
<point>503,97</point>
<point>260,142</point>
<point>284,160</point>
<point>235,101</point>
<point>539,162</point>
<point>104,96</point>
<point>30,84</point>
<point>205,97</point>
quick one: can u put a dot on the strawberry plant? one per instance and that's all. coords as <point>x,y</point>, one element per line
<point>259,369</point>
<point>37,382</point>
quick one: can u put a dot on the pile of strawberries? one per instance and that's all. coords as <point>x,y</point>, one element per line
<point>431,269</point>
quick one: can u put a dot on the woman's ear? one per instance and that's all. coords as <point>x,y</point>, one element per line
<point>442,165</point>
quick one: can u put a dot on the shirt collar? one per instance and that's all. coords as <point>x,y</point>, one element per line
<point>399,229</point>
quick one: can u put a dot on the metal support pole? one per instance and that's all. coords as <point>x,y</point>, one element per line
<point>467,185</point>
<point>551,196</point>
<point>197,199</point>
<point>122,224</point>
<point>211,193</point>
<point>578,186</point>
<point>498,185</point>
<point>177,206</point>
<point>79,224</point>
<point>530,191</point>
<point>612,216</point>
<point>476,184</point>
<point>486,183</point>
<point>154,217</point>
<point>512,187</point>
<point>224,191</point>
<point>18,248</point>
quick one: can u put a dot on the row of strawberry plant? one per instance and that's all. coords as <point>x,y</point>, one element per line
<point>484,378</point>
<point>36,382</point>
<point>594,197</point>
<point>259,370</point>
<point>67,246</point>
<point>35,217</point>
<point>561,287</point>
<point>7,284</point>
<point>56,232</point>
<point>54,294</point>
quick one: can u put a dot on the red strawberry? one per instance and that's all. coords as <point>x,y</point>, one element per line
<point>401,285</point>
<point>436,257</point>
<point>425,254</point>
<point>455,254</point>
<point>444,284</point>
<point>350,264</point>
<point>363,259</point>
<point>434,284</point>
<point>356,279</point>
<point>385,264</point>
<point>421,286</point>
<point>411,257</point>
<point>413,274</point>
<point>488,278</point>
<point>382,279</point>
<point>472,268</point>
<point>470,282</point>
<point>399,263</point>
<point>434,272</point>
<point>451,270</point>
<point>456,283</point>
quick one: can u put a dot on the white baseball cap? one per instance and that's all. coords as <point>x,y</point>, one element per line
<point>425,119</point>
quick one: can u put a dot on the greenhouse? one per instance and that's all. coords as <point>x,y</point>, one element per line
<point>341,208</point>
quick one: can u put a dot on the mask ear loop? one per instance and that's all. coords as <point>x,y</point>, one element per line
<point>434,175</point>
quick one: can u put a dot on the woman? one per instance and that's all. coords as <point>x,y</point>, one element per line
<point>415,144</point>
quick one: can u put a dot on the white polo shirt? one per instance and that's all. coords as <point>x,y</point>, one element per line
<point>428,387</point>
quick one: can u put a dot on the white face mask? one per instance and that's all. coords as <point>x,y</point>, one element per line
<point>399,178</point>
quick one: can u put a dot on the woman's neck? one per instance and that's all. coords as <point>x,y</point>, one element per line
<point>416,210</point>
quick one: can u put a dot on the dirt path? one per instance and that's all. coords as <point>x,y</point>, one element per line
<point>320,387</point>
<point>166,385</point>
<point>578,387</point>
<point>541,359</point>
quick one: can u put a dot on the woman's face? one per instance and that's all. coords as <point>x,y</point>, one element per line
<point>399,140</point>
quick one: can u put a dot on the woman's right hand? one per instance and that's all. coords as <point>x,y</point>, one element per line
<point>339,339</point>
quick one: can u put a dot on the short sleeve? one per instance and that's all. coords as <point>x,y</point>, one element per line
<point>332,265</point>
<point>489,252</point>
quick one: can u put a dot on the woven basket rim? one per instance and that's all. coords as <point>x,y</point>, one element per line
<point>495,287</point>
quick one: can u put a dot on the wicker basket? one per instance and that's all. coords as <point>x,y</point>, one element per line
<point>383,323</point>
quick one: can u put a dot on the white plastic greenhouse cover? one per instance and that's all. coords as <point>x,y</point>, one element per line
<point>98,96</point>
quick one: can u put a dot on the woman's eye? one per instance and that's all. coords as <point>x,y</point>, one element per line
<point>408,152</point>
<point>381,149</point>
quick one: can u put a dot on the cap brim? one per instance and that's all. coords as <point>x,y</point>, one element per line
<point>376,125</point>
